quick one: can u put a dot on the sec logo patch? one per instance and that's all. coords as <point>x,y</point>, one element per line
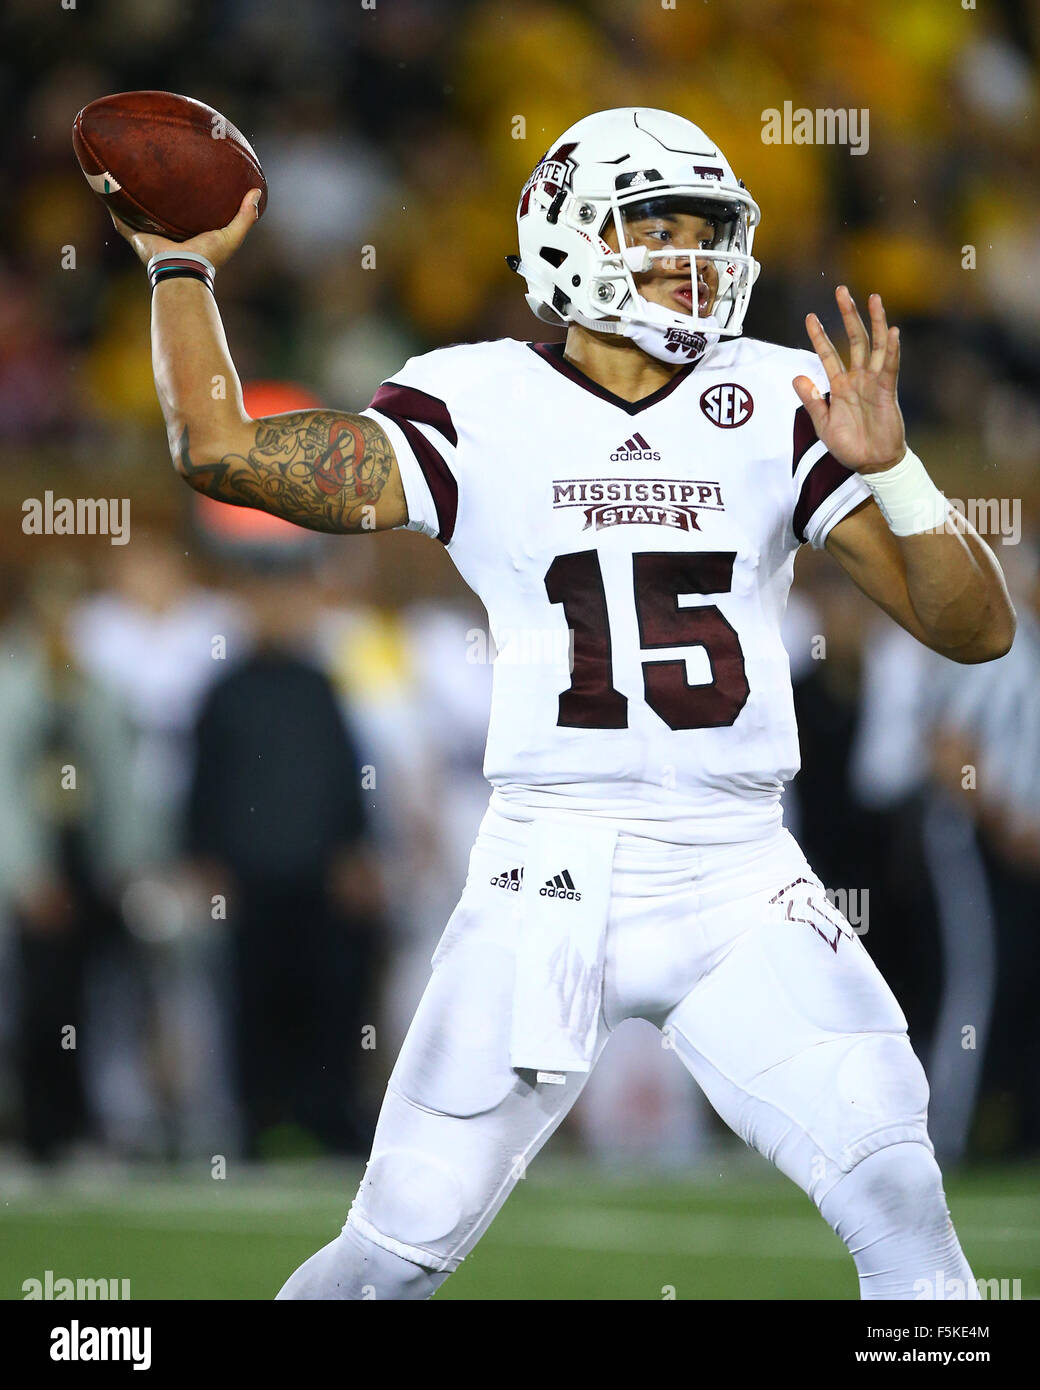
<point>727,405</point>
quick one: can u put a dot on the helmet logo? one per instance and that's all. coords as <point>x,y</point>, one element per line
<point>727,405</point>
<point>553,171</point>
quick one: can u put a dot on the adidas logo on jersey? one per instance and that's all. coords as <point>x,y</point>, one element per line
<point>510,879</point>
<point>560,886</point>
<point>633,450</point>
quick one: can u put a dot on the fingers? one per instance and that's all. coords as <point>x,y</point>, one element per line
<point>878,332</point>
<point>809,395</point>
<point>248,212</point>
<point>878,353</point>
<point>825,349</point>
<point>889,373</point>
<point>124,231</point>
<point>857,334</point>
<point>219,246</point>
<point>144,244</point>
<point>140,243</point>
<point>884,355</point>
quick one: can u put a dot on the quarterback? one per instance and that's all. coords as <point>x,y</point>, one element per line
<point>635,495</point>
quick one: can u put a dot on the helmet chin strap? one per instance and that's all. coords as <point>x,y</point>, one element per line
<point>659,333</point>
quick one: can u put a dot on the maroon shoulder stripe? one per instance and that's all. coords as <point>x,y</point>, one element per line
<point>405,402</point>
<point>805,435</point>
<point>408,408</point>
<point>824,477</point>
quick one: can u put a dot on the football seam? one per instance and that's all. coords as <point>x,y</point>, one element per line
<point>184,125</point>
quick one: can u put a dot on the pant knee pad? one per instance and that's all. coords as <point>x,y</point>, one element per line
<point>411,1198</point>
<point>881,1078</point>
<point>854,1096</point>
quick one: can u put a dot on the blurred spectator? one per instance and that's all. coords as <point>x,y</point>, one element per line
<point>277,825</point>
<point>986,759</point>
<point>377,671</point>
<point>159,640</point>
<point>68,839</point>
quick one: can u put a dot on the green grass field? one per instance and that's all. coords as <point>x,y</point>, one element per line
<point>735,1230</point>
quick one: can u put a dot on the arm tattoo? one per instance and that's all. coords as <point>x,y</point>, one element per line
<point>317,468</point>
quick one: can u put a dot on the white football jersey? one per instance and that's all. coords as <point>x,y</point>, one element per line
<point>634,561</point>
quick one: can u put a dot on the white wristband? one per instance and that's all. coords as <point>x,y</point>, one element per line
<point>909,500</point>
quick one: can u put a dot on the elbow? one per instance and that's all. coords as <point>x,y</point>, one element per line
<point>994,648</point>
<point>990,644</point>
<point>194,459</point>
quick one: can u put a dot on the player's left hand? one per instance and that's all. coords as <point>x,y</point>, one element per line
<point>862,425</point>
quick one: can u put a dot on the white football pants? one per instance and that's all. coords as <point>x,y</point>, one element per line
<point>760,988</point>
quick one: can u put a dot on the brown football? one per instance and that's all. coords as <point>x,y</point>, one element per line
<point>165,163</point>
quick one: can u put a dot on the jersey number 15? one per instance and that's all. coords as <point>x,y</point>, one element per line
<point>658,578</point>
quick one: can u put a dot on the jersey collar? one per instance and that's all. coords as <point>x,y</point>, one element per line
<point>553,354</point>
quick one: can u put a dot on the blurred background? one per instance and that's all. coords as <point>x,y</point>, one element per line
<point>240,764</point>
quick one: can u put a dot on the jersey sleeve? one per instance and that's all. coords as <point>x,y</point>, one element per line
<point>421,429</point>
<point>825,491</point>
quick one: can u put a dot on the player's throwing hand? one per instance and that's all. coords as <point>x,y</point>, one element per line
<point>217,246</point>
<point>862,424</point>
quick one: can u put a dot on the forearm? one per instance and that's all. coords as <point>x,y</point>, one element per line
<point>943,586</point>
<point>958,593</point>
<point>195,378</point>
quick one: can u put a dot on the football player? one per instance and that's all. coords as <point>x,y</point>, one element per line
<point>627,505</point>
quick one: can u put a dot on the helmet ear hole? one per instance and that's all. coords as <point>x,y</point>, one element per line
<point>554,256</point>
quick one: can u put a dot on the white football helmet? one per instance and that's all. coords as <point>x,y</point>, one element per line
<point>604,168</point>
